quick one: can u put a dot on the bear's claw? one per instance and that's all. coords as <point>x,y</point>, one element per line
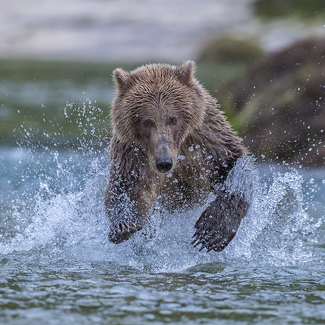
<point>218,225</point>
<point>122,230</point>
<point>210,243</point>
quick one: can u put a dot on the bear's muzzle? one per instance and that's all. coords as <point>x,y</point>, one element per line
<point>164,164</point>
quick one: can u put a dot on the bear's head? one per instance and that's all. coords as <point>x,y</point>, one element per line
<point>156,108</point>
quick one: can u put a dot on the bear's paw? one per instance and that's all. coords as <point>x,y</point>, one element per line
<point>219,223</point>
<point>123,229</point>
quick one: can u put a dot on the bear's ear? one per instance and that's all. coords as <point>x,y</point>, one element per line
<point>185,72</point>
<point>122,80</point>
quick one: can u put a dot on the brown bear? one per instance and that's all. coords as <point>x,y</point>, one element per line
<point>171,145</point>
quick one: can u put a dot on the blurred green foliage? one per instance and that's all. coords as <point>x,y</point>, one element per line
<point>231,50</point>
<point>307,9</point>
<point>77,72</point>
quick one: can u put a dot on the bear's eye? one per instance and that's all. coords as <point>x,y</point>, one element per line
<point>146,124</point>
<point>173,121</point>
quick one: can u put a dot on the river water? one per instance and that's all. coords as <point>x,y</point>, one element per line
<point>58,267</point>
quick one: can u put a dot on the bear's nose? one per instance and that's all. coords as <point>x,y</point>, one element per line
<point>164,164</point>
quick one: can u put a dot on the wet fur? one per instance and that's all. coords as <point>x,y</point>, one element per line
<point>202,146</point>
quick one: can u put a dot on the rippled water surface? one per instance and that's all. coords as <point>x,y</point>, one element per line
<point>58,267</point>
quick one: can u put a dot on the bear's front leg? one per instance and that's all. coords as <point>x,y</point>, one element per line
<point>127,210</point>
<point>124,224</point>
<point>220,221</point>
<point>129,194</point>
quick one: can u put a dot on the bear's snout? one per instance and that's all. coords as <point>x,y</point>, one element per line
<point>164,164</point>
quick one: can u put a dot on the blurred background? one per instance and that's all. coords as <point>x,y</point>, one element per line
<point>264,61</point>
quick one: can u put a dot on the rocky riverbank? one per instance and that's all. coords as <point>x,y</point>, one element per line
<point>278,105</point>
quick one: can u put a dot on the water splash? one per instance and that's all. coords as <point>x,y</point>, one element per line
<point>56,212</point>
<point>72,224</point>
<point>278,229</point>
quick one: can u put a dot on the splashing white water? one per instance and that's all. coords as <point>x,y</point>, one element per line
<point>57,213</point>
<point>277,229</point>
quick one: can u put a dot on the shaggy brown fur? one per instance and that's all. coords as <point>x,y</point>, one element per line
<point>170,144</point>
